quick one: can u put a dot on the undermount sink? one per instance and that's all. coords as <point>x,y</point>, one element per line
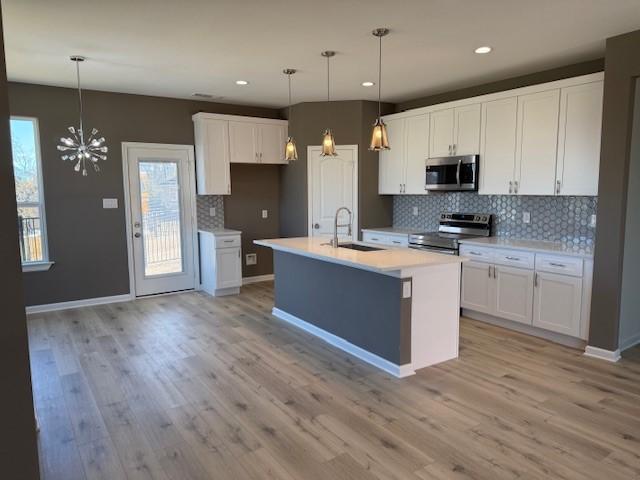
<point>361,248</point>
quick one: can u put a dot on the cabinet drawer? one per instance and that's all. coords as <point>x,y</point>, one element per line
<point>374,237</point>
<point>479,254</point>
<point>226,241</point>
<point>386,239</point>
<point>516,258</point>
<point>559,264</point>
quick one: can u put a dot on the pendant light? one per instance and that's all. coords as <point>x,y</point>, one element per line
<point>379,139</point>
<point>328,142</point>
<point>290,150</point>
<point>75,146</point>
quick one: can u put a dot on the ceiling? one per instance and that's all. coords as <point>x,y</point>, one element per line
<point>175,48</point>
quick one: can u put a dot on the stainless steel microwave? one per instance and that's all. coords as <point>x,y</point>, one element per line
<point>452,173</point>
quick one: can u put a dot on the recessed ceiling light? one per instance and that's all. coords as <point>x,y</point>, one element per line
<point>485,49</point>
<point>242,82</point>
<point>368,84</point>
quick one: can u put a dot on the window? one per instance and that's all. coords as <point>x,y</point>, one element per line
<point>25,146</point>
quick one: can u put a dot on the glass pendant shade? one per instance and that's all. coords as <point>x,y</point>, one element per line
<point>290,150</point>
<point>328,144</point>
<point>379,140</point>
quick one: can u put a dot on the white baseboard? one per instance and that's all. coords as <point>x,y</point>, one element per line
<point>257,279</point>
<point>602,354</point>
<point>399,371</point>
<point>87,302</point>
<point>629,342</point>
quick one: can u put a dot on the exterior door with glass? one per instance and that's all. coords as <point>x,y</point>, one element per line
<point>161,217</point>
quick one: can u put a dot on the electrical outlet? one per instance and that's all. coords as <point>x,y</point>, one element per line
<point>592,221</point>
<point>212,212</point>
<point>526,217</point>
<point>251,259</point>
<point>415,211</point>
<point>265,213</point>
<point>109,203</point>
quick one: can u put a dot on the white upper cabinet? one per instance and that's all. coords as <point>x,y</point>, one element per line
<point>212,156</point>
<point>536,143</point>
<point>455,131</point>
<point>441,133</point>
<point>272,139</point>
<point>391,162</point>
<point>402,168</point>
<point>498,146</point>
<point>416,153</point>
<point>578,161</point>
<point>243,142</point>
<point>466,131</point>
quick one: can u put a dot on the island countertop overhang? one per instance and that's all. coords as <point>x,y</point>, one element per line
<point>384,261</point>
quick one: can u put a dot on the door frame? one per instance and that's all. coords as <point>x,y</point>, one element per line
<point>355,227</point>
<point>189,149</point>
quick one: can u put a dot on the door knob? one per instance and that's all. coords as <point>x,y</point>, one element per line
<point>136,225</point>
<point>316,226</point>
<point>137,234</point>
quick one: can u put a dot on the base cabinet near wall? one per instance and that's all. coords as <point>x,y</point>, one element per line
<point>537,140</point>
<point>549,292</point>
<point>220,262</point>
<point>225,139</point>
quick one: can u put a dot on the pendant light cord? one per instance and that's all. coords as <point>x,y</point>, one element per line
<point>289,75</point>
<point>380,78</point>
<point>328,96</point>
<point>79,96</point>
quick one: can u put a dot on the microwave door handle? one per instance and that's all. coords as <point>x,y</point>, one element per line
<point>458,171</point>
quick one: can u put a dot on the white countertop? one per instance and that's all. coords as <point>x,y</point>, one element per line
<point>391,230</point>
<point>220,232</point>
<point>533,245</point>
<point>387,260</point>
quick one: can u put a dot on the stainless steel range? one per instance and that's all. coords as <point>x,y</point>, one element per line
<point>452,228</point>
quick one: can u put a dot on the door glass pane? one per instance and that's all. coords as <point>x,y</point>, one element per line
<point>160,209</point>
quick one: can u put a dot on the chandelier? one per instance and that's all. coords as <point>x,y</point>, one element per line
<point>75,147</point>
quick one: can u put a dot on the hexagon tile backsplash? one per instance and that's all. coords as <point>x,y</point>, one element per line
<point>203,204</point>
<point>559,219</point>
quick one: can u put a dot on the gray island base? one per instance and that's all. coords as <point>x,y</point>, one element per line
<point>397,309</point>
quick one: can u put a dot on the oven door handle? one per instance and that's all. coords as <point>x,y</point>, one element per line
<point>442,251</point>
<point>458,171</point>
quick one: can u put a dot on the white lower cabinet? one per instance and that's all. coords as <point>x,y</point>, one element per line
<point>553,295</point>
<point>514,293</point>
<point>557,303</point>
<point>220,262</point>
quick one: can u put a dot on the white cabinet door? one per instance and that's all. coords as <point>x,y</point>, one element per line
<point>514,293</point>
<point>416,153</point>
<point>391,163</point>
<point>478,287</point>
<point>212,157</point>
<point>228,268</point>
<point>466,140</point>
<point>557,303</point>
<point>441,133</point>
<point>243,142</point>
<point>579,139</point>
<point>537,142</point>
<point>498,146</point>
<point>272,140</point>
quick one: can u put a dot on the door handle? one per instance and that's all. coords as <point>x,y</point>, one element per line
<point>316,226</point>
<point>136,225</point>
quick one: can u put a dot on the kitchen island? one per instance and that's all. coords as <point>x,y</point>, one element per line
<point>395,308</point>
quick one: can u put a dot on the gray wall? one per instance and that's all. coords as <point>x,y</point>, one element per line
<point>18,447</point>
<point>351,124</point>
<point>622,66</point>
<point>568,71</point>
<point>630,301</point>
<point>88,243</point>
<point>559,219</point>
<point>364,308</point>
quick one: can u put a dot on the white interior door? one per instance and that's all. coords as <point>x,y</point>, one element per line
<point>161,197</point>
<point>333,183</point>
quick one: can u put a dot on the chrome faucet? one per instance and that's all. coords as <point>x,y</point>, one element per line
<point>334,240</point>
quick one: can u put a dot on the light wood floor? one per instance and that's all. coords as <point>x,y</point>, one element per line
<point>190,387</point>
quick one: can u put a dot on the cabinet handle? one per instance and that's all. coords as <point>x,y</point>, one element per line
<point>515,186</point>
<point>455,147</point>
<point>375,239</point>
<point>228,241</point>
<point>261,156</point>
<point>512,258</point>
<point>558,186</point>
<point>535,279</point>
<point>474,253</point>
<point>510,186</point>
<point>495,272</point>
<point>561,265</point>
<point>489,271</point>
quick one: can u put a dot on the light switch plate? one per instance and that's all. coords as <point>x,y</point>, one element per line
<point>251,258</point>
<point>592,221</point>
<point>109,203</point>
<point>265,213</point>
<point>526,217</point>
<point>415,211</point>
<point>212,211</point>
